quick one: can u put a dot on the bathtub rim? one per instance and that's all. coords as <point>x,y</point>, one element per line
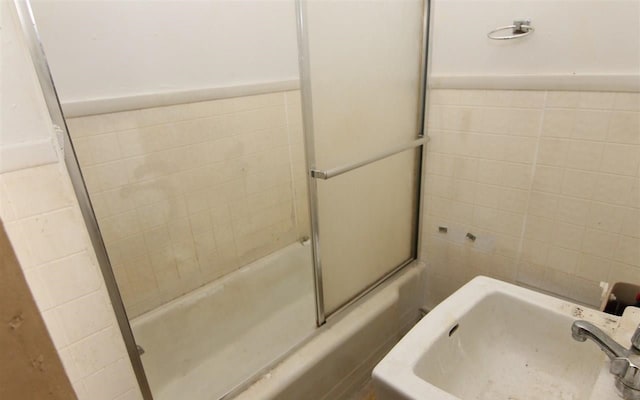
<point>393,278</point>
<point>400,274</point>
<point>210,288</point>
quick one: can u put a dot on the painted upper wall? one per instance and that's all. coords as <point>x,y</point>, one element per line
<point>585,37</point>
<point>111,49</point>
<point>106,49</point>
<point>26,130</point>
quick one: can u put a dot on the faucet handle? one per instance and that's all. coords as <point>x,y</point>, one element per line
<point>627,371</point>
<point>635,339</point>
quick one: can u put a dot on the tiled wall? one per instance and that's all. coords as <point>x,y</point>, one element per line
<point>43,220</point>
<point>548,182</point>
<point>187,193</point>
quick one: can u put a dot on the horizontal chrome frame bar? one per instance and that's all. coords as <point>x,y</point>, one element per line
<point>330,173</point>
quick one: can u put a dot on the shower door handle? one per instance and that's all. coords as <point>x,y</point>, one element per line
<point>330,173</point>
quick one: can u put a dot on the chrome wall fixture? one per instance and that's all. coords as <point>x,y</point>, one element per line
<point>519,29</point>
<point>39,59</point>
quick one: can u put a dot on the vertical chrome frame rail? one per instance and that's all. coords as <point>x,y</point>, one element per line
<point>310,153</point>
<point>313,174</point>
<point>43,72</point>
<point>424,66</point>
<point>427,18</point>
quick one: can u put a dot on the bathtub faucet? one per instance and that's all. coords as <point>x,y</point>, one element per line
<point>625,364</point>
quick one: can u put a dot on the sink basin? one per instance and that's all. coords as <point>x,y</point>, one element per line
<point>495,341</point>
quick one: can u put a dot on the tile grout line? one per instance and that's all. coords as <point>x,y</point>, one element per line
<point>478,132</point>
<point>169,122</point>
<point>518,259</point>
<point>184,146</point>
<point>174,174</point>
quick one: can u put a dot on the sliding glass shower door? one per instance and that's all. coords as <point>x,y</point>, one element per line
<point>362,68</point>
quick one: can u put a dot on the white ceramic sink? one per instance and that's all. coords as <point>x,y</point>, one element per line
<point>495,341</point>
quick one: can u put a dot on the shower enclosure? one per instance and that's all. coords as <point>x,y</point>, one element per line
<point>239,192</point>
<point>362,67</point>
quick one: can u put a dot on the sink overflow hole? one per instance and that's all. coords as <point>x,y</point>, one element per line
<point>453,329</point>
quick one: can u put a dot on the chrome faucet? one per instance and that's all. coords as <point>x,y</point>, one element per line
<point>625,363</point>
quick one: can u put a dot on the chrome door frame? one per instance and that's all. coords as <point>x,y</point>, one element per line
<point>313,174</point>
<point>39,59</point>
<point>310,154</point>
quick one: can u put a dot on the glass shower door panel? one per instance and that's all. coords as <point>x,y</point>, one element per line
<point>367,225</point>
<point>364,59</point>
<point>364,62</point>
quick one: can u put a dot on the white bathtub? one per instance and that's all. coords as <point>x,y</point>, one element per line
<point>337,361</point>
<point>203,344</point>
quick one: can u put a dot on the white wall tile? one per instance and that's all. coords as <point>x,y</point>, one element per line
<point>584,155</point>
<point>562,259</point>
<point>620,272</point>
<point>591,125</point>
<point>73,372</point>
<point>548,179</point>
<point>97,351</point>
<point>597,100</point>
<point>158,176</point>
<point>568,236</point>
<point>601,244</point>
<point>628,251</point>
<point>55,328</point>
<point>624,127</point>
<point>620,159</point>
<point>553,152</point>
<point>615,189</point>
<point>565,207</point>
<point>606,217</point>
<point>41,292</point>
<point>573,210</point>
<point>71,277</point>
<point>539,228</point>
<point>627,101</point>
<point>559,123</point>
<point>110,382</point>
<point>55,235</point>
<point>52,246</point>
<point>593,268</point>
<point>559,99</point>
<point>80,389</point>
<point>44,180</point>
<point>578,183</point>
<point>130,395</point>
<point>85,316</point>
<point>631,223</point>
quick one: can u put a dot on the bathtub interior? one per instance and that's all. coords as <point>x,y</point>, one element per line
<point>202,345</point>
